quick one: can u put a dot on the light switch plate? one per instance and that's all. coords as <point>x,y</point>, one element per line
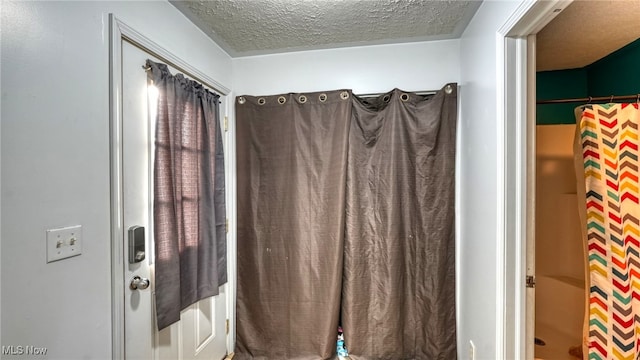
<point>64,243</point>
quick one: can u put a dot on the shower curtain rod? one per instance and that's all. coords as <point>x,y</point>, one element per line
<point>590,99</point>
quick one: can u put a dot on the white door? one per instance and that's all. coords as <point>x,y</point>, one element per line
<point>200,334</point>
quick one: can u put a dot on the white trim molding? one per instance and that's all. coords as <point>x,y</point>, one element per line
<point>231,192</point>
<point>115,154</point>
<point>514,148</point>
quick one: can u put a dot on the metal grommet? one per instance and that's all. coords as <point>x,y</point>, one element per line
<point>404,97</point>
<point>322,97</point>
<point>302,99</point>
<point>386,98</point>
<point>448,89</point>
<point>282,100</point>
<point>344,95</point>
<point>261,101</point>
<point>241,100</point>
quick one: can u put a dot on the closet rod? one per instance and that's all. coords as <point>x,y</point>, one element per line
<point>590,99</point>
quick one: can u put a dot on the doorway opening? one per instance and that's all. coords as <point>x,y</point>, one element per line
<point>522,203</point>
<point>575,60</point>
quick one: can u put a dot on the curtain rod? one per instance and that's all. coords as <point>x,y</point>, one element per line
<point>190,76</point>
<point>590,99</point>
<point>447,89</point>
<point>421,92</point>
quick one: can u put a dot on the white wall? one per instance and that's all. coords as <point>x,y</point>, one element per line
<point>366,69</point>
<point>479,169</point>
<point>55,161</point>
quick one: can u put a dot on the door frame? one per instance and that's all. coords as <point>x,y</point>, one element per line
<point>118,32</point>
<point>516,174</point>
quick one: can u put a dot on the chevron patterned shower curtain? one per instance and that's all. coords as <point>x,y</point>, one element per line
<point>609,137</point>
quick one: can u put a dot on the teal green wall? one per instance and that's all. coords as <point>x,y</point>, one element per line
<point>561,84</point>
<point>616,74</point>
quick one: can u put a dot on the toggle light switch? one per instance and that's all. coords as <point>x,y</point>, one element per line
<point>64,242</point>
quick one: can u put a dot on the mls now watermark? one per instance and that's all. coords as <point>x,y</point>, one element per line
<point>23,350</point>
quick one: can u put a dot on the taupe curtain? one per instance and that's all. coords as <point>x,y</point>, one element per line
<point>189,195</point>
<point>399,258</point>
<point>346,214</point>
<point>292,156</point>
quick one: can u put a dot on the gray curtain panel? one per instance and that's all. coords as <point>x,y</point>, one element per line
<point>292,157</point>
<point>398,299</point>
<point>189,195</point>
<point>346,206</point>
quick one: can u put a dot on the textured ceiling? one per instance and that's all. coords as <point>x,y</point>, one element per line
<point>587,31</point>
<point>249,27</point>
